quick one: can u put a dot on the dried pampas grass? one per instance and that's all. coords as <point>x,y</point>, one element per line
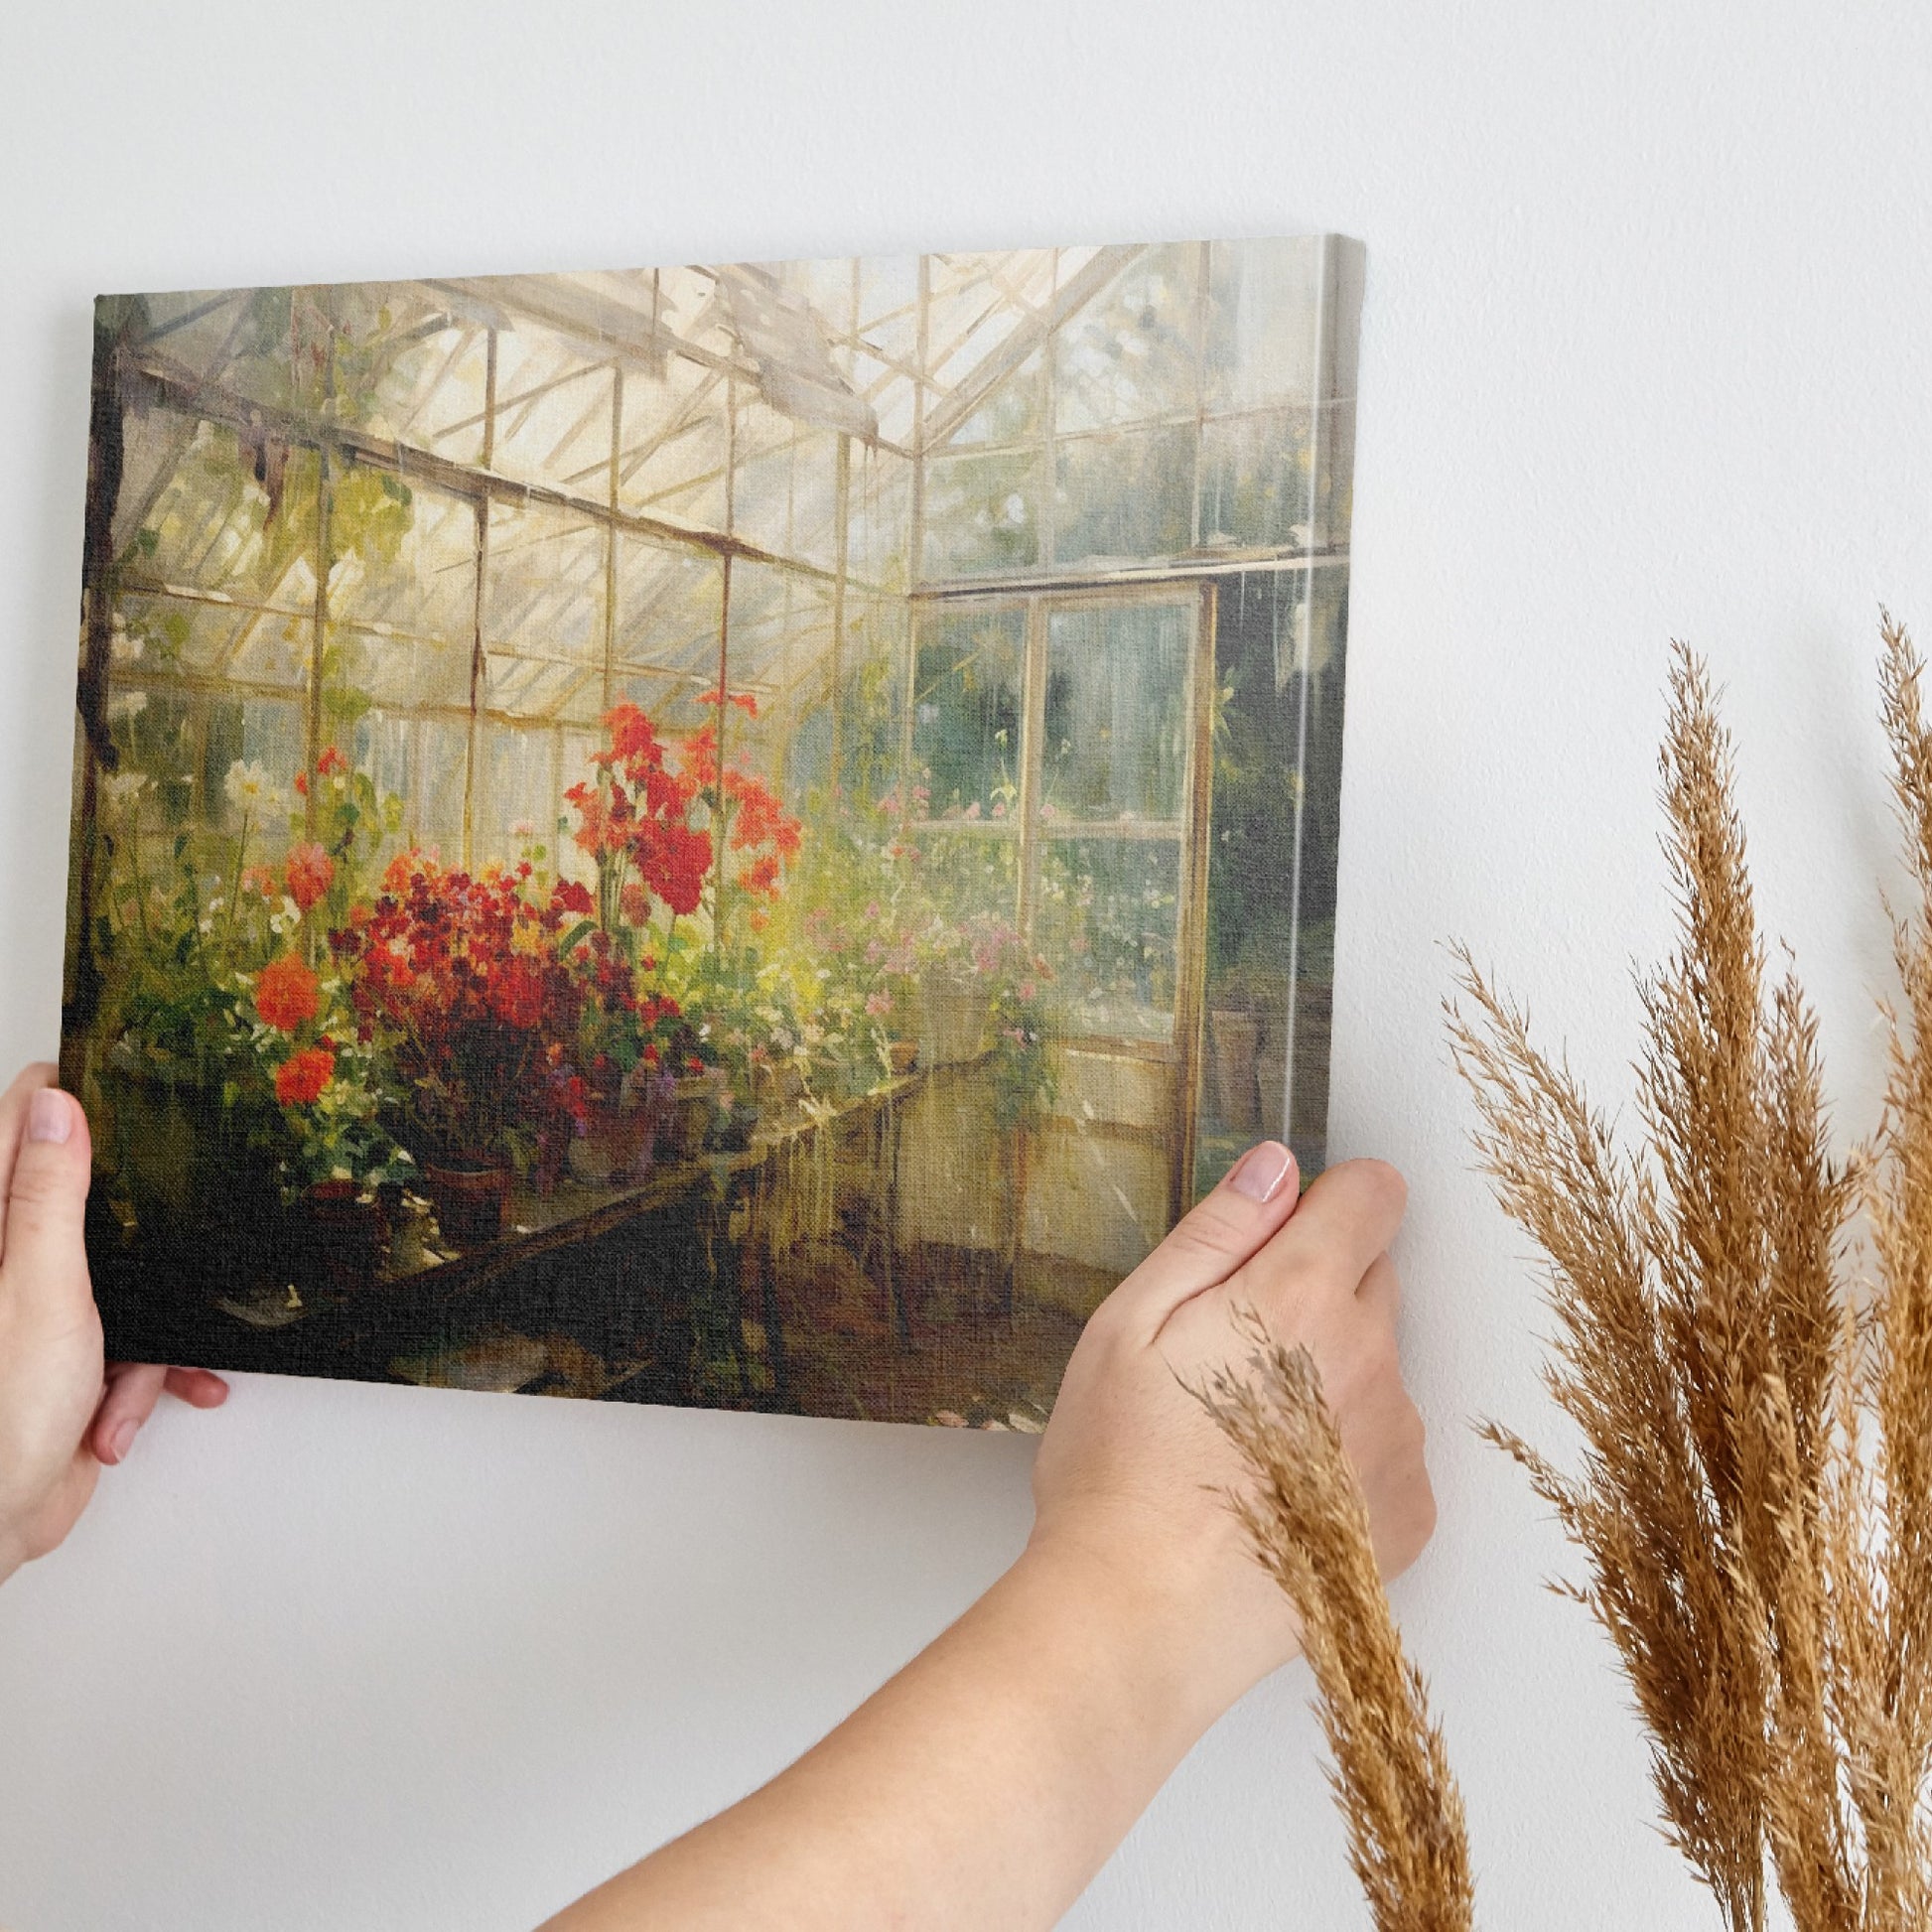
<point>1753,1391</point>
<point>1309,1525</point>
<point>1754,1498</point>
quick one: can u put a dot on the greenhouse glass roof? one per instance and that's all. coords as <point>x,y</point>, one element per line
<point>574,464</point>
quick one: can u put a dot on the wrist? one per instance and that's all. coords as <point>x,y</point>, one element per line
<point>1157,1636</point>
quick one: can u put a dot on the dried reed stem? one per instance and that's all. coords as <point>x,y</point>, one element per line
<point>1755,1495</point>
<point>1309,1523</point>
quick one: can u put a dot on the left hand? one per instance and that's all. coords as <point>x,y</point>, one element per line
<point>64,1411</point>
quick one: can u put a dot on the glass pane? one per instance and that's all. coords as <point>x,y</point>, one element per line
<point>1261,321</point>
<point>962,873</point>
<point>967,705</point>
<point>668,601</point>
<point>1116,718</point>
<point>1129,356</point>
<point>673,460</point>
<point>1278,658</point>
<point>543,612</point>
<point>881,505</point>
<point>982,513</point>
<point>553,412</point>
<point>1011,414</point>
<point>1107,920</point>
<point>518,799</point>
<point>1124,497</point>
<point>1254,481</point>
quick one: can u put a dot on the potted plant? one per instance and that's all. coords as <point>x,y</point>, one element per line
<point>461,978</point>
<point>344,1165</point>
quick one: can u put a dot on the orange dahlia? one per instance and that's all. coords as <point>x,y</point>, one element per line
<point>302,1076</point>
<point>286,993</point>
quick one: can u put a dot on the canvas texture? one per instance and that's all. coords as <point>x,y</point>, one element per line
<point>746,835</point>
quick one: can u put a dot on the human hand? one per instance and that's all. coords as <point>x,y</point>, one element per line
<point>1132,1470</point>
<point>64,1412</point>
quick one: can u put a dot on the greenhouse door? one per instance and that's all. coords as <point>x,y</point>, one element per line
<point>1112,894</point>
<point>1060,744</point>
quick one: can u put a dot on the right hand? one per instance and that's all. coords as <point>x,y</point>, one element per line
<point>1132,1473</point>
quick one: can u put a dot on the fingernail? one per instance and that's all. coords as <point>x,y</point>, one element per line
<point>1261,1171</point>
<point>122,1439</point>
<point>50,1116</point>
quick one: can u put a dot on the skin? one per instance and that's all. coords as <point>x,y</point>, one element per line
<point>990,1779</point>
<point>64,1413</point>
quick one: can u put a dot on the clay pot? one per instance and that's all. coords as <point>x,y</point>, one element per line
<point>1234,1043</point>
<point>694,1110</point>
<point>473,1204</point>
<point>903,1055</point>
<point>343,1233</point>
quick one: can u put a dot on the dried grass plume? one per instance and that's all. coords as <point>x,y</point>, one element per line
<point>1754,1498</point>
<point>1308,1523</point>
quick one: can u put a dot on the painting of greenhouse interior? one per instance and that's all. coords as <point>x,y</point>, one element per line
<point>746,835</point>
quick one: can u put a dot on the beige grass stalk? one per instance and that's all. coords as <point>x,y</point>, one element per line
<point>1309,1523</point>
<point>1755,1495</point>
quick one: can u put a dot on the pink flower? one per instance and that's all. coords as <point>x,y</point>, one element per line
<point>878,1002</point>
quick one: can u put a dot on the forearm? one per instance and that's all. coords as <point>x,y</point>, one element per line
<point>984,1785</point>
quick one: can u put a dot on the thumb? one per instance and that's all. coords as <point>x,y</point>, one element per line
<point>1233,1221</point>
<point>43,1248</point>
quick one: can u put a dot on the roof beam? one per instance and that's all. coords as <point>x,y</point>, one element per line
<point>1071,297</point>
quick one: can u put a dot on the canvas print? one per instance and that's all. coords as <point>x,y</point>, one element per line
<point>744,835</point>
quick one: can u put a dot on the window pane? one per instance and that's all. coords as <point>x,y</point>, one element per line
<point>982,513</point>
<point>1262,305</point>
<point>962,875</point>
<point>1129,357</point>
<point>966,714</point>
<point>1254,487</point>
<point>1107,920</point>
<point>1116,720</point>
<point>1124,496</point>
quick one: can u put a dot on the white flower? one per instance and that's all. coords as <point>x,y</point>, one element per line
<point>207,926</point>
<point>127,704</point>
<point>125,786</point>
<point>247,786</point>
<point>124,648</point>
<point>216,904</point>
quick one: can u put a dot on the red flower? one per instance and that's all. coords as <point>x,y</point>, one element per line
<point>311,873</point>
<point>302,784</point>
<point>301,1077</point>
<point>285,994</point>
<point>332,763</point>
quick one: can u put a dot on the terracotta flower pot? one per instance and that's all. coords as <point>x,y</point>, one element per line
<point>473,1204</point>
<point>694,1109</point>
<point>343,1234</point>
<point>904,1055</point>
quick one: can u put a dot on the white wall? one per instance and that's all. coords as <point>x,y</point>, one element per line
<point>1643,353</point>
